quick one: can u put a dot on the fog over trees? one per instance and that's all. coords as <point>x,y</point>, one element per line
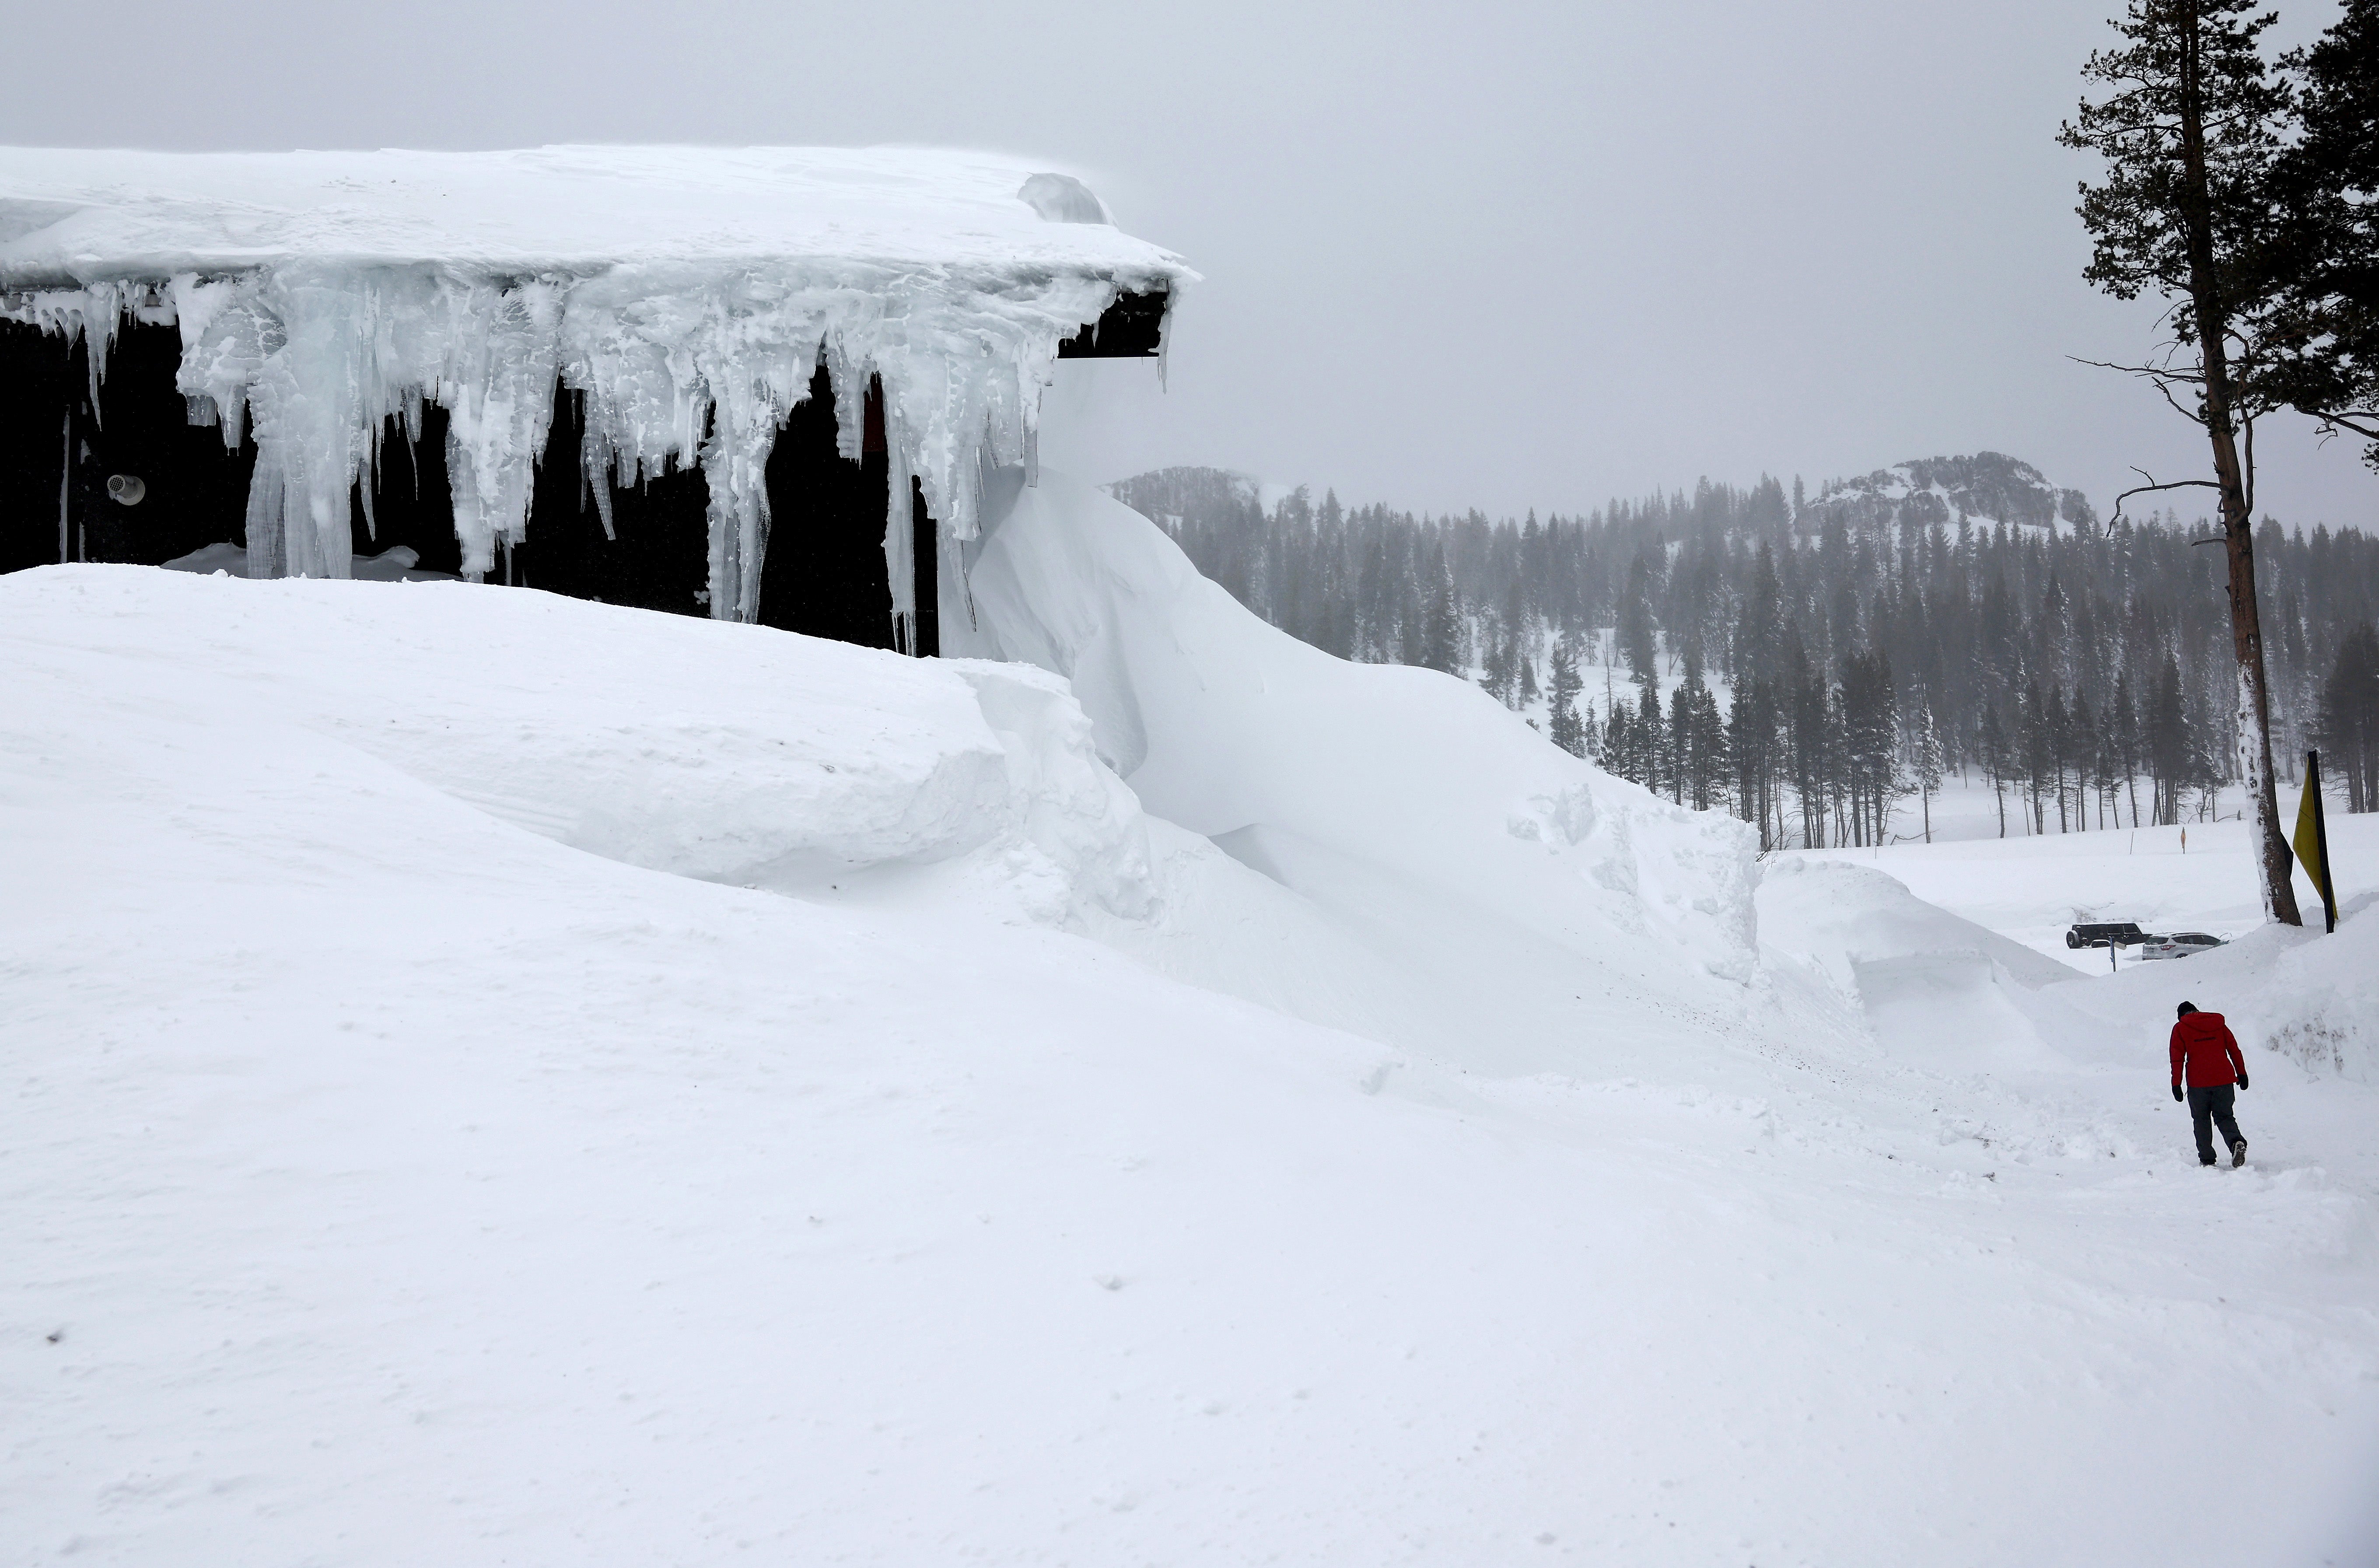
<point>1818,663</point>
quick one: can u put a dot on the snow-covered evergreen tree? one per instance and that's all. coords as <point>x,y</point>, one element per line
<point>1568,732</point>
<point>1928,764</point>
<point>1441,637</point>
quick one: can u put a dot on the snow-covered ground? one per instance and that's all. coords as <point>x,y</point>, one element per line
<point>2200,876</point>
<point>496,1078</point>
<point>1967,807</point>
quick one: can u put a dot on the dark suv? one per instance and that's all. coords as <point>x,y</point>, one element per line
<point>2106,934</point>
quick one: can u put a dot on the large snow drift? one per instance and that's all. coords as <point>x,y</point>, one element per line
<point>419,1148</point>
<point>691,294</point>
<point>1481,850</point>
<point>708,751</point>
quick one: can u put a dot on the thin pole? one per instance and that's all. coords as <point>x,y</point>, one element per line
<point>2321,844</point>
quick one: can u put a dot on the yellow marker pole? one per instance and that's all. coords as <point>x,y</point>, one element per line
<point>2311,842</point>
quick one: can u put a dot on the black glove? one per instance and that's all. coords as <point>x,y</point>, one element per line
<point>2177,1093</point>
<point>2243,1078</point>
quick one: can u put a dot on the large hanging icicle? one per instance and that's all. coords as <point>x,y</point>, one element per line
<point>926,274</point>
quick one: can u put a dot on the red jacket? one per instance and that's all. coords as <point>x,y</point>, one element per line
<point>2206,1045</point>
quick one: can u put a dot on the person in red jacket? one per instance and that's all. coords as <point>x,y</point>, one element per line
<point>2206,1053</point>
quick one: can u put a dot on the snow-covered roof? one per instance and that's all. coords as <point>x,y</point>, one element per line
<point>690,293</point>
<point>75,216</point>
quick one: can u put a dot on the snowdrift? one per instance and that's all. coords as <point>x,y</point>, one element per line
<point>422,1146</point>
<point>1423,820</point>
<point>2321,1007</point>
<point>1934,989</point>
<point>731,753</point>
<point>1358,862</point>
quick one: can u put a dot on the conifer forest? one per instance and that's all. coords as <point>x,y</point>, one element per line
<point>1818,664</point>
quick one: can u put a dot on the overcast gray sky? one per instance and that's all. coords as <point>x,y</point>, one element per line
<point>1502,255</point>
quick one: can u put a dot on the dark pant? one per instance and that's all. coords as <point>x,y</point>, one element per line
<point>2213,1106</point>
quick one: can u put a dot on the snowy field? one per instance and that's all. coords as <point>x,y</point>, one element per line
<point>496,1078</point>
<point>2032,889</point>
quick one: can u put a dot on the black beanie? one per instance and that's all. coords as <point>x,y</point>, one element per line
<point>2185,1009</point>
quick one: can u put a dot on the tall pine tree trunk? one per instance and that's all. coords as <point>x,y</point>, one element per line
<point>2253,727</point>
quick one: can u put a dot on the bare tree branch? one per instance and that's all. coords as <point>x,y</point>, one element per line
<point>2153,485</point>
<point>2362,422</point>
<point>2157,372</point>
<point>2165,390</point>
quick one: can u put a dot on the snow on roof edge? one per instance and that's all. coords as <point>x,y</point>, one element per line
<point>78,215</point>
<point>691,294</point>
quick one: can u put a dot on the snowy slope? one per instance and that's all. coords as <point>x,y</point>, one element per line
<point>421,1147</point>
<point>1426,825</point>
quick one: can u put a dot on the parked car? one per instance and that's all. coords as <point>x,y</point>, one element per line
<point>2179,944</point>
<point>2106,934</point>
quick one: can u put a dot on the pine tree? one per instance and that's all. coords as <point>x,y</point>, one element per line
<point>1619,744</point>
<point>2320,338</point>
<point>2188,131</point>
<point>1751,745</point>
<point>1929,763</point>
<point>2349,725</point>
<point>1993,745</point>
<point>2171,748</point>
<point>1708,728</point>
<point>1442,624</point>
<point>1412,622</point>
<point>2125,724</point>
<point>1637,643</point>
<point>1650,735</point>
<point>1812,729</point>
<point>1568,733</point>
<point>2036,741</point>
<point>2082,751</point>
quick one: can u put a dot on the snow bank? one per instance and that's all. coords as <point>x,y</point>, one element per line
<point>2322,1010</point>
<point>1934,989</point>
<point>691,292</point>
<point>731,753</point>
<point>1369,788</point>
<point>385,1184</point>
<point>2309,997</point>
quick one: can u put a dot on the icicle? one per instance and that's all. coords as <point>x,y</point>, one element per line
<point>1164,336</point>
<point>101,315</point>
<point>497,386</point>
<point>92,314</point>
<point>692,362</point>
<point>597,472</point>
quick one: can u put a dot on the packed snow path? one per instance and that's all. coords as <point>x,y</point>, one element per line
<point>408,1161</point>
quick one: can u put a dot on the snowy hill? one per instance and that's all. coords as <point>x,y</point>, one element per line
<point>1987,487</point>
<point>504,1079</point>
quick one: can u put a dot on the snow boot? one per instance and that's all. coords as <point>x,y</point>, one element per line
<point>2238,1153</point>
